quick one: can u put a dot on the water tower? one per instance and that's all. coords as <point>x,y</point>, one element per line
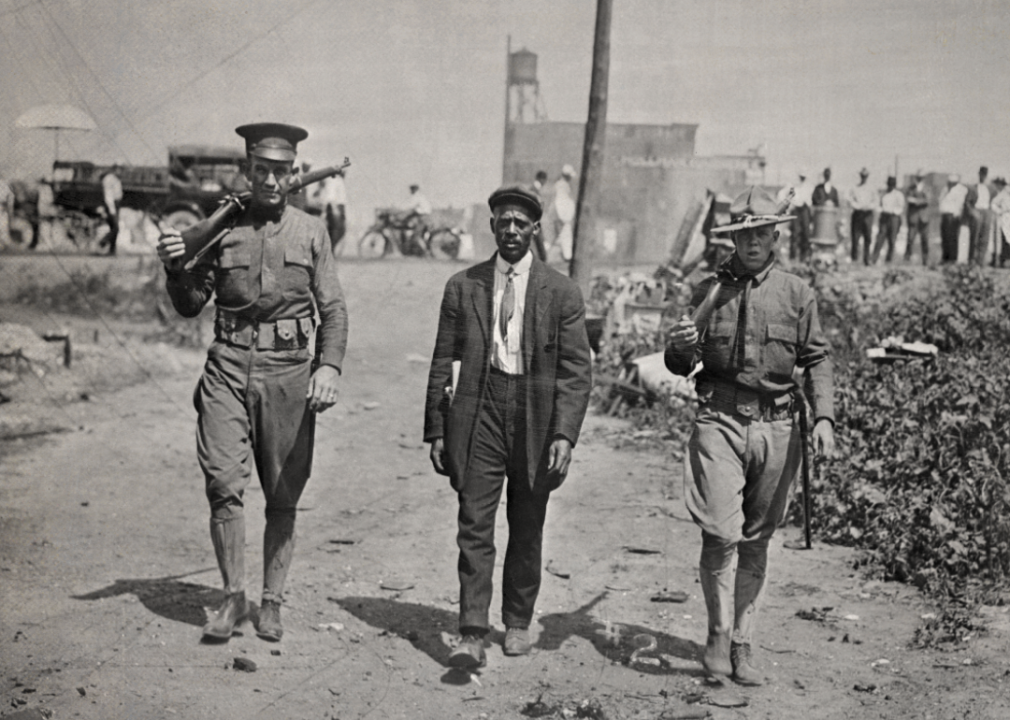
<point>522,98</point>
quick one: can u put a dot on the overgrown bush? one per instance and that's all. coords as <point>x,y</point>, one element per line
<point>924,448</point>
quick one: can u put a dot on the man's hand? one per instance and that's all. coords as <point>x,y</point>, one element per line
<point>824,438</point>
<point>322,393</point>
<point>438,456</point>
<point>684,334</point>
<point>559,457</point>
<point>171,248</point>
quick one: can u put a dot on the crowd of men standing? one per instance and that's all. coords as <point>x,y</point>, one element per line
<point>982,207</point>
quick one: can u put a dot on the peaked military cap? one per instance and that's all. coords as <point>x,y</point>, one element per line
<point>519,195</point>
<point>753,208</point>
<point>272,141</point>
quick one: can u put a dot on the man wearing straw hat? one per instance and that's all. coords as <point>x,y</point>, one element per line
<point>755,327</point>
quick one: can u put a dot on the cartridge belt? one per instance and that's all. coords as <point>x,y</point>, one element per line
<point>743,401</point>
<point>243,332</point>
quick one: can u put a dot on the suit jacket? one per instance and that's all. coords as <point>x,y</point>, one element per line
<point>556,359</point>
<point>821,196</point>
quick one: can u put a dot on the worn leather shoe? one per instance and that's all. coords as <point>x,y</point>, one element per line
<point>717,655</point>
<point>743,672</point>
<point>269,625</point>
<point>469,654</point>
<point>232,612</point>
<point>517,641</point>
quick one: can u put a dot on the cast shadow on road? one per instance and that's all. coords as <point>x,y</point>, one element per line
<point>423,627</point>
<point>166,596</point>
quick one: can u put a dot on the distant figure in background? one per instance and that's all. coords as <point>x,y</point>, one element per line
<point>825,192</point>
<point>918,217</point>
<point>799,244</point>
<point>328,199</point>
<point>46,213</point>
<point>952,207</point>
<point>863,200</point>
<point>539,181</point>
<point>978,217</point>
<point>564,211</point>
<point>6,212</point>
<point>892,207</point>
<point>112,196</point>
<point>418,212</point>
<point>1001,210</point>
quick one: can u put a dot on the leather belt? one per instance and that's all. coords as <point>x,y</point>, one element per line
<point>288,334</point>
<point>745,402</point>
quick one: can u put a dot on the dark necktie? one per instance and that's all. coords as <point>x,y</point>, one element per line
<point>740,336</point>
<point>508,304</point>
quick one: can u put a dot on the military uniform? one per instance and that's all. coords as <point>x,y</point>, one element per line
<point>273,274</point>
<point>745,449</point>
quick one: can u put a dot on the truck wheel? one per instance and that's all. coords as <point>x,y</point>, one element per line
<point>180,219</point>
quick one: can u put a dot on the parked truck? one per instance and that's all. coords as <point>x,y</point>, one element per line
<point>178,195</point>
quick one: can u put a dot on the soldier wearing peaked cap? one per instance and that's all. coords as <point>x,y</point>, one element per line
<point>272,274</point>
<point>745,449</point>
<point>513,353</point>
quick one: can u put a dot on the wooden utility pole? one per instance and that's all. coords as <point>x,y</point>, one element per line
<point>587,205</point>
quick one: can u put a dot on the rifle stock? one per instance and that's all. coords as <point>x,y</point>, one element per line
<point>202,236</point>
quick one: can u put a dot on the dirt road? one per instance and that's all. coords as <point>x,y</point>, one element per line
<point>106,569</point>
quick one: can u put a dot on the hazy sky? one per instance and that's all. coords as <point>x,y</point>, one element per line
<point>413,90</point>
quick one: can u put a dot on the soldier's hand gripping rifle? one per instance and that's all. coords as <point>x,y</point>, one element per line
<point>202,236</point>
<point>703,313</point>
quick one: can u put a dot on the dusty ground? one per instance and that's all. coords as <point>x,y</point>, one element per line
<point>106,567</point>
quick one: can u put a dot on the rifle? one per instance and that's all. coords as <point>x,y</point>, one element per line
<point>801,402</point>
<point>202,236</point>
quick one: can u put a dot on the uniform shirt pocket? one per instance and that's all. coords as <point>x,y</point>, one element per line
<point>296,277</point>
<point>233,285</point>
<point>780,350</point>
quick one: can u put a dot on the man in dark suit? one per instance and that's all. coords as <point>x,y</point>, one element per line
<point>507,392</point>
<point>825,192</point>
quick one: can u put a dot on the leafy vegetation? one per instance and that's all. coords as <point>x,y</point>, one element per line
<point>920,480</point>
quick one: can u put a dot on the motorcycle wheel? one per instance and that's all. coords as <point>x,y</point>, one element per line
<point>444,245</point>
<point>372,245</point>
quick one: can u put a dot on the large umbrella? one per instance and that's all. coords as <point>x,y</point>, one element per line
<point>56,118</point>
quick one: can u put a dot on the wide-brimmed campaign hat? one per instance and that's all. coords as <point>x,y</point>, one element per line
<point>754,208</point>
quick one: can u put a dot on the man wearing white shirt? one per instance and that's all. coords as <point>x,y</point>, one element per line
<point>978,217</point>
<point>952,209</point>
<point>892,206</point>
<point>863,201</point>
<point>515,329</point>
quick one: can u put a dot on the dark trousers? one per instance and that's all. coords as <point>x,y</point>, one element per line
<point>862,227</point>
<point>799,242</point>
<point>499,450</point>
<point>918,225</point>
<point>336,224</point>
<point>887,233</point>
<point>113,234</point>
<point>950,228</point>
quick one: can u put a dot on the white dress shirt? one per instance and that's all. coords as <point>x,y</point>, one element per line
<point>893,202</point>
<point>507,352</point>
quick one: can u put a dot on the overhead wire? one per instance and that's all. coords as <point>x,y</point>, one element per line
<point>172,94</point>
<point>19,8</point>
<point>47,57</point>
<point>98,81</point>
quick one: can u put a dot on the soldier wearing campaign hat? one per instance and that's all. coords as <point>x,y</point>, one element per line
<point>761,335</point>
<point>268,371</point>
<point>507,391</point>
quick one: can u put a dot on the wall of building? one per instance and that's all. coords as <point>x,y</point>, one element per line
<point>651,180</point>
